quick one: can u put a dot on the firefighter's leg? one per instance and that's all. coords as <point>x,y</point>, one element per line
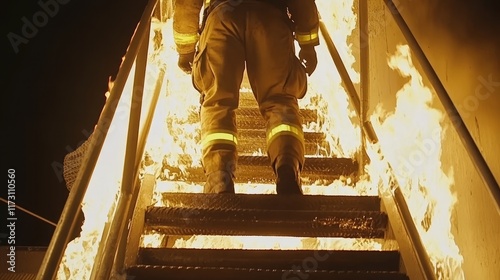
<point>217,74</point>
<point>285,142</point>
<point>278,80</point>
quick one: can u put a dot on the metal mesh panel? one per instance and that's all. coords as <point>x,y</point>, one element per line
<point>73,161</point>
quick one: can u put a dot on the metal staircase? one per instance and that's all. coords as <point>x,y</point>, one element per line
<point>379,219</point>
<point>187,214</point>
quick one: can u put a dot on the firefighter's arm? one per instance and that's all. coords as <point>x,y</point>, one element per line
<point>304,14</point>
<point>186,19</point>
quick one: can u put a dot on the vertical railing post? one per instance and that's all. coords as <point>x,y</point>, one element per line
<point>130,239</point>
<point>364,66</point>
<point>66,224</point>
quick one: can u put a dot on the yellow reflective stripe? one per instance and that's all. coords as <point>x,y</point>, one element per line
<point>285,128</point>
<point>207,3</point>
<point>306,38</point>
<point>185,39</point>
<point>218,137</point>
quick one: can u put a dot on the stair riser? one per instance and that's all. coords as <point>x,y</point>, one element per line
<point>197,273</point>
<point>273,259</point>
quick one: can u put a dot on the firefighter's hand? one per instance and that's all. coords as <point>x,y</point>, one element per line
<point>308,58</point>
<point>186,62</point>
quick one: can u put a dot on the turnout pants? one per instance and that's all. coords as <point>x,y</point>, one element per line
<point>255,35</point>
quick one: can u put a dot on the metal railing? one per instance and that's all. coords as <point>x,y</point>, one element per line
<point>111,249</point>
<point>369,133</point>
<point>66,224</point>
<point>359,102</point>
<point>474,153</point>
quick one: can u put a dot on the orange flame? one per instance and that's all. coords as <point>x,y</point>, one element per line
<point>414,155</point>
<point>174,138</point>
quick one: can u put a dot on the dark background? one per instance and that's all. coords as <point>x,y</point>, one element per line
<point>52,94</point>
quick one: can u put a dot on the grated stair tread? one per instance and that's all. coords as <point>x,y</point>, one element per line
<point>157,272</point>
<point>199,221</point>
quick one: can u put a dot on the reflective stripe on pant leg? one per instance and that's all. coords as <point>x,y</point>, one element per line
<point>218,74</point>
<point>287,147</point>
<point>285,143</point>
<point>219,137</point>
<point>219,152</point>
<point>284,129</point>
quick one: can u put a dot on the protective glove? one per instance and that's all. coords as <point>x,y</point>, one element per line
<point>308,58</point>
<point>185,62</point>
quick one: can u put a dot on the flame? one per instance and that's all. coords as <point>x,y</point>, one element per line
<point>175,136</point>
<point>414,155</point>
<point>334,120</point>
<point>175,133</point>
<point>103,188</point>
<point>152,240</point>
<point>326,93</point>
<point>280,243</point>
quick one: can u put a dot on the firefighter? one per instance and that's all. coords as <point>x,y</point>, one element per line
<point>258,35</point>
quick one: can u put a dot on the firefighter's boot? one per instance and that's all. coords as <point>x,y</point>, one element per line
<point>288,177</point>
<point>219,182</point>
<point>220,168</point>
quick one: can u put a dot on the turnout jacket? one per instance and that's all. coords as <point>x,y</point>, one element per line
<point>188,16</point>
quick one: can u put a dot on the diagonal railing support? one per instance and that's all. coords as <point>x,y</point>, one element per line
<point>66,224</point>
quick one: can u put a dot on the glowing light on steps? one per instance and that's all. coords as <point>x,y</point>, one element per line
<point>281,243</point>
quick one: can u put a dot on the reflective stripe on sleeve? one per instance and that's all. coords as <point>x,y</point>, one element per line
<point>218,137</point>
<point>285,129</point>
<point>307,38</point>
<point>185,39</point>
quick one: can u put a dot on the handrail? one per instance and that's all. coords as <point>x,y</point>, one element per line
<point>66,224</point>
<point>103,264</point>
<point>346,79</point>
<point>457,121</point>
<point>119,262</point>
<point>108,247</point>
<point>364,69</point>
<point>406,219</point>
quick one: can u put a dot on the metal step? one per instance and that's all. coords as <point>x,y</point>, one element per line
<point>17,276</point>
<point>194,221</point>
<point>247,99</point>
<point>241,214</point>
<point>266,215</point>
<point>257,169</point>
<point>271,202</point>
<point>253,140</point>
<point>250,118</point>
<point>189,214</point>
<point>159,272</point>
<point>271,259</point>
